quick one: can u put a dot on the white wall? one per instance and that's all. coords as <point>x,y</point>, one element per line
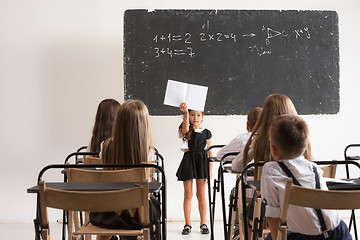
<point>58,59</point>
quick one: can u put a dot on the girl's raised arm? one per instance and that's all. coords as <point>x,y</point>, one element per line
<point>185,124</point>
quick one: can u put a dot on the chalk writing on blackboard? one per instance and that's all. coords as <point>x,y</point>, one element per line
<point>164,42</point>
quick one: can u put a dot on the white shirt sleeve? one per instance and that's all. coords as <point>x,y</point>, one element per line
<point>270,192</point>
<point>237,163</point>
<point>236,145</point>
<point>233,146</point>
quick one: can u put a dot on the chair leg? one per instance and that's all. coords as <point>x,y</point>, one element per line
<point>146,234</point>
<point>231,221</point>
<point>256,217</point>
<point>240,213</point>
<point>70,224</point>
<point>282,233</point>
<point>86,220</point>
<point>45,234</point>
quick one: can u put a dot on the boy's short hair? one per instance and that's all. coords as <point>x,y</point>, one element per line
<point>290,134</point>
<point>253,116</point>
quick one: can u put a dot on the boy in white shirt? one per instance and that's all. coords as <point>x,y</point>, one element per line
<point>238,143</point>
<point>288,140</point>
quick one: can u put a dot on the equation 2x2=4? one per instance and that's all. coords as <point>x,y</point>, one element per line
<point>189,37</point>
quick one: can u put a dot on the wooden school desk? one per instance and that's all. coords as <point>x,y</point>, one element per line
<point>96,186</point>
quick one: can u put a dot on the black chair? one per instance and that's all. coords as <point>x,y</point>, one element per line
<point>347,158</point>
<point>211,159</point>
<point>80,149</point>
<point>219,184</point>
<point>159,161</point>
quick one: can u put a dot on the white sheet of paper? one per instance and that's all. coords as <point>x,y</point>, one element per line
<point>193,95</point>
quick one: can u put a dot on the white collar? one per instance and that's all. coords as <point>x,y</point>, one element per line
<point>199,130</point>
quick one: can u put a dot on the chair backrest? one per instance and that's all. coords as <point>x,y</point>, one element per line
<point>93,201</point>
<point>316,198</point>
<point>329,171</point>
<point>258,171</point>
<point>123,175</point>
<point>92,160</point>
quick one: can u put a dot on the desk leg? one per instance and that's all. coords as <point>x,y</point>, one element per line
<point>244,212</point>
<point>64,224</point>
<point>353,220</point>
<point>164,211</point>
<point>37,229</point>
<point>221,173</point>
<point>37,220</point>
<point>210,206</point>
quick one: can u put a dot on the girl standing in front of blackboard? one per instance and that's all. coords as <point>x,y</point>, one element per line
<point>194,164</point>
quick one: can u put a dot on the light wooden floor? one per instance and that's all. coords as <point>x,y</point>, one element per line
<point>25,231</point>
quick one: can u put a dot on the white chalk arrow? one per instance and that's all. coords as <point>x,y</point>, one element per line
<point>249,35</point>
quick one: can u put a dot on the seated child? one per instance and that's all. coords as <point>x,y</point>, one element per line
<point>238,143</point>
<point>288,140</point>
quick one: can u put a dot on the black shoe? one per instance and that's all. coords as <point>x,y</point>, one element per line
<point>204,229</point>
<point>186,230</point>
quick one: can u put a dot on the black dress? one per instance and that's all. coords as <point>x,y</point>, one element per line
<point>194,164</point>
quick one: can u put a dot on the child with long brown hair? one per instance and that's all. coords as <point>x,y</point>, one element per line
<point>104,123</point>
<point>131,138</point>
<point>194,164</point>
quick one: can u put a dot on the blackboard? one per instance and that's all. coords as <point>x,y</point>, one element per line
<point>241,55</point>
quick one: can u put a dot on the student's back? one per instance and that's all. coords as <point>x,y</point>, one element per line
<point>299,219</point>
<point>238,143</point>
